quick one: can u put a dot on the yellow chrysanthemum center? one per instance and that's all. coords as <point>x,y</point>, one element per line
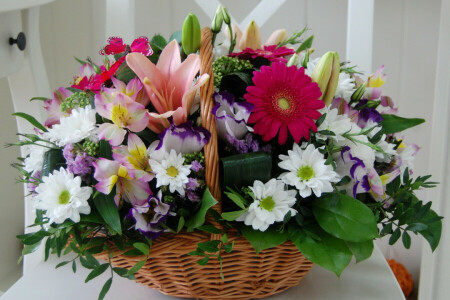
<point>172,171</point>
<point>64,197</point>
<point>267,203</point>
<point>283,103</point>
<point>119,115</point>
<point>305,173</point>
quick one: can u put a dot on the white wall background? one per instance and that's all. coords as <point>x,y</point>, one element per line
<point>405,41</point>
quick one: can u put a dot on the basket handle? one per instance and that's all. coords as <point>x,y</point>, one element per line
<point>209,122</point>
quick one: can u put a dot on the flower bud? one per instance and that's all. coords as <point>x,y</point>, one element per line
<point>190,34</point>
<point>326,74</point>
<point>293,60</point>
<point>276,37</point>
<point>217,21</point>
<point>226,16</point>
<point>251,37</point>
<point>357,95</point>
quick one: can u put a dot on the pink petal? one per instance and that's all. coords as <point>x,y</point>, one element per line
<point>141,45</point>
<point>189,96</point>
<point>112,133</point>
<point>276,37</point>
<point>134,191</point>
<point>169,60</point>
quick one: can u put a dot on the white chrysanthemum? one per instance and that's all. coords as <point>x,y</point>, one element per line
<point>79,125</point>
<point>36,158</point>
<point>171,171</point>
<point>346,84</point>
<point>62,197</point>
<point>272,203</point>
<point>307,171</point>
<point>339,124</point>
<point>387,148</point>
<point>345,87</point>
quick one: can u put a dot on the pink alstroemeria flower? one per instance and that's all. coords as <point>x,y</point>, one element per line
<point>134,90</point>
<point>53,106</point>
<point>169,84</point>
<point>123,112</point>
<point>135,158</point>
<point>111,173</point>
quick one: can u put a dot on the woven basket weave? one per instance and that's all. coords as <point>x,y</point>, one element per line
<point>247,275</point>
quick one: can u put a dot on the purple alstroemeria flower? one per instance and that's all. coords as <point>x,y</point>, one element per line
<point>154,209</point>
<point>183,138</point>
<point>366,114</point>
<point>231,116</point>
<point>349,165</point>
<point>344,109</point>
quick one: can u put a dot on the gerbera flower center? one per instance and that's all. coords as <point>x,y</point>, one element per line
<point>283,103</point>
<point>172,171</point>
<point>119,115</point>
<point>267,203</point>
<point>64,197</point>
<point>305,173</point>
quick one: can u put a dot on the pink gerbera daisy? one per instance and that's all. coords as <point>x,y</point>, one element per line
<point>284,98</point>
<point>271,53</point>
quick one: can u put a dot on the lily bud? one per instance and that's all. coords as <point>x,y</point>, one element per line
<point>326,74</point>
<point>226,16</point>
<point>293,60</point>
<point>217,21</point>
<point>276,37</point>
<point>190,34</point>
<point>251,37</point>
<point>357,95</point>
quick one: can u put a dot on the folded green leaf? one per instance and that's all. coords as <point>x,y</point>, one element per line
<point>362,250</point>
<point>198,219</point>
<point>263,240</point>
<point>31,119</point>
<point>345,218</point>
<point>209,246</point>
<point>393,123</point>
<point>158,42</point>
<point>105,289</point>
<point>209,228</point>
<point>244,169</point>
<point>328,252</point>
<point>97,272</point>
<point>53,160</point>
<point>233,215</point>
<point>107,208</point>
<point>236,198</point>
<point>144,248</point>
<point>433,233</point>
<point>306,44</point>
<point>137,267</point>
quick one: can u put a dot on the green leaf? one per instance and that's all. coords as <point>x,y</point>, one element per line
<point>263,240</point>
<point>236,198</point>
<point>38,98</point>
<point>53,160</point>
<point>328,252</point>
<point>31,119</point>
<point>345,217</point>
<point>237,82</point>
<point>386,229</point>
<point>198,218</point>
<point>105,149</point>
<point>48,243</point>
<point>209,228</point>
<point>107,208</point>
<point>395,236</point>
<point>158,42</point>
<point>86,264</point>
<point>180,224</point>
<point>91,259</point>
<point>74,266</point>
<point>233,215</point>
<point>33,238</point>
<point>393,123</point>
<point>137,267</point>
<point>96,272</point>
<point>228,247</point>
<point>176,36</point>
<point>203,261</point>
<point>27,249</point>
<point>133,252</point>
<point>105,289</point>
<point>144,248</point>
<point>244,169</point>
<point>306,44</point>
<point>406,239</point>
<point>362,250</point>
<point>62,264</point>
<point>209,246</point>
<point>433,233</point>
<point>416,227</point>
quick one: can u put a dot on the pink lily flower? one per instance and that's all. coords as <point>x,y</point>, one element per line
<point>111,173</point>
<point>124,114</point>
<point>135,158</point>
<point>169,84</point>
<point>53,106</point>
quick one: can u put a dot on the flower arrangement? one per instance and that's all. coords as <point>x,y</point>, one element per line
<point>311,153</point>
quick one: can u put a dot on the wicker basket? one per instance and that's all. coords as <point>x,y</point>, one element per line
<point>247,275</point>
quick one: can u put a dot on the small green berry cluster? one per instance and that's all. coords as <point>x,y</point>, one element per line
<point>225,65</point>
<point>190,157</point>
<point>78,99</point>
<point>91,148</point>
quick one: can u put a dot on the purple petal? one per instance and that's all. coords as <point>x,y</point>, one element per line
<point>184,138</point>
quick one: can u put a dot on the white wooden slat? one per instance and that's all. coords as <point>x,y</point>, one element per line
<point>360,33</point>
<point>262,12</point>
<point>434,276</point>
<point>119,19</point>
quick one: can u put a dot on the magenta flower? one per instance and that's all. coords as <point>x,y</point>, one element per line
<point>272,53</point>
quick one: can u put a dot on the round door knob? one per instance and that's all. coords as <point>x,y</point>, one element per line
<point>21,41</point>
